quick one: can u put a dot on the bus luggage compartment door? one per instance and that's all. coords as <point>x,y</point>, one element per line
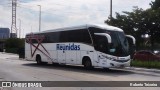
<point>61,56</point>
<point>71,57</point>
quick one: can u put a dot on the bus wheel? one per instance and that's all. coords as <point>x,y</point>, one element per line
<point>88,64</point>
<point>38,59</point>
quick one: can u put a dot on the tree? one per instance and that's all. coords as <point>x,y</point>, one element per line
<point>12,45</point>
<point>140,22</point>
<point>130,22</point>
<point>155,5</point>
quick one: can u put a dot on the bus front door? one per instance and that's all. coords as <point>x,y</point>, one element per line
<point>61,56</point>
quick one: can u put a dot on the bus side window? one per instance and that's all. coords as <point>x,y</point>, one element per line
<point>46,38</point>
<point>64,36</point>
<point>86,37</point>
<point>101,44</point>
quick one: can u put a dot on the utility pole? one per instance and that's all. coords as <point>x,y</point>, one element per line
<point>19,28</point>
<point>39,18</point>
<point>111,9</point>
<point>13,26</point>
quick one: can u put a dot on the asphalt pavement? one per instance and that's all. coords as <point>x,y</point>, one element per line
<point>13,69</point>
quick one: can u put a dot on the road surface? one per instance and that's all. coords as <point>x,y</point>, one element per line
<point>13,69</point>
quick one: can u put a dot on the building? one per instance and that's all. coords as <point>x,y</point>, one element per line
<point>4,33</point>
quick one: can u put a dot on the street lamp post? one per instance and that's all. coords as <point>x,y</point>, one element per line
<point>111,9</point>
<point>39,18</point>
<point>19,28</point>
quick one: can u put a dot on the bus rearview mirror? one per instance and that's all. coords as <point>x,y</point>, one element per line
<point>106,35</point>
<point>133,39</point>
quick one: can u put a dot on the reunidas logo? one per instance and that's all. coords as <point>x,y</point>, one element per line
<point>68,47</point>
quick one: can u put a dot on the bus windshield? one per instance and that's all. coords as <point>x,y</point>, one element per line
<point>118,47</point>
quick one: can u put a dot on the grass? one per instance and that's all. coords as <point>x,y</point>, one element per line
<point>146,64</point>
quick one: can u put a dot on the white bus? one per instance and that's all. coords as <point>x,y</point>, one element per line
<point>89,45</point>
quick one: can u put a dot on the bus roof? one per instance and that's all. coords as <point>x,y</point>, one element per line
<point>101,26</point>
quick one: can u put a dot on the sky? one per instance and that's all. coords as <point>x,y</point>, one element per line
<point>62,13</point>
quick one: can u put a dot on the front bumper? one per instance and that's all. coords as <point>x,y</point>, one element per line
<point>114,63</point>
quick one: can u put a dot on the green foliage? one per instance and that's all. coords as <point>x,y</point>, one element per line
<point>12,45</point>
<point>155,5</point>
<point>146,64</point>
<point>140,22</point>
<point>12,50</point>
<point>129,22</point>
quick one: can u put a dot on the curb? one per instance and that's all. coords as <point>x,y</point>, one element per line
<point>8,53</point>
<point>143,69</point>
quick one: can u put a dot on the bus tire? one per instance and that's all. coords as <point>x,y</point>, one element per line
<point>87,63</point>
<point>38,60</point>
<point>106,69</point>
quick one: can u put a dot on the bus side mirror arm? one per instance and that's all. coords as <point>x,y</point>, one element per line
<point>106,35</point>
<point>133,39</point>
